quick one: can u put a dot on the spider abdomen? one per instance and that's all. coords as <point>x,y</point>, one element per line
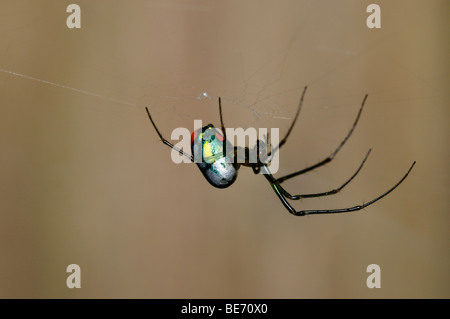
<point>207,147</point>
<point>219,174</point>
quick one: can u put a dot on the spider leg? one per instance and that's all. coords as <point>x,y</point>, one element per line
<point>221,119</point>
<point>329,158</point>
<point>331,192</point>
<point>166,141</point>
<point>223,127</point>
<point>283,141</point>
<point>277,190</point>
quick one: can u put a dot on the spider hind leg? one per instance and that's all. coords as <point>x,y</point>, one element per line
<point>277,190</point>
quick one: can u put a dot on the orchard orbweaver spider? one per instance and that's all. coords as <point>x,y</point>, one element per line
<point>221,172</point>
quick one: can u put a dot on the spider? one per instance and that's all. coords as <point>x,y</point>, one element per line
<point>221,161</point>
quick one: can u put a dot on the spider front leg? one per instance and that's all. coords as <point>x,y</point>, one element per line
<point>279,193</point>
<point>329,158</point>
<point>166,141</point>
<point>283,141</point>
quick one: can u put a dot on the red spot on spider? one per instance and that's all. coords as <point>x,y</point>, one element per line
<point>220,137</point>
<point>194,136</point>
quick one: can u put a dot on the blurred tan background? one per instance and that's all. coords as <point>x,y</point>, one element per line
<point>85,180</point>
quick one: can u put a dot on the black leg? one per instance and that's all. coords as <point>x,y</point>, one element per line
<point>278,192</point>
<point>357,207</point>
<point>334,191</point>
<point>329,158</point>
<point>222,127</point>
<point>166,141</point>
<point>283,141</point>
<point>221,119</point>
